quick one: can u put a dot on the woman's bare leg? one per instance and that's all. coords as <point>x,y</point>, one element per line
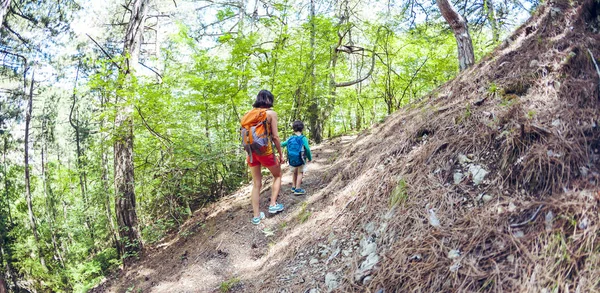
<point>276,171</point>
<point>256,186</point>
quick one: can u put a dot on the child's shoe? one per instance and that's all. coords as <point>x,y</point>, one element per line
<point>299,191</point>
<point>293,189</point>
<point>276,208</point>
<point>256,220</point>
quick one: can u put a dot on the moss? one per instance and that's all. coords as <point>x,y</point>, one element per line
<point>226,286</point>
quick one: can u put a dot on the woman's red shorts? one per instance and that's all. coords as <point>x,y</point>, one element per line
<point>266,161</point>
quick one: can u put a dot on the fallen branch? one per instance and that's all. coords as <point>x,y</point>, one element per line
<point>104,51</point>
<point>596,65</point>
<point>517,225</point>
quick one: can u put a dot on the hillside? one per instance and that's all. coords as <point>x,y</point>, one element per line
<point>490,183</point>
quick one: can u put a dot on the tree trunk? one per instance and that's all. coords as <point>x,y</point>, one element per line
<point>27,177</point>
<point>5,227</point>
<point>491,14</point>
<point>105,184</point>
<point>5,171</point>
<point>80,164</point>
<point>314,111</point>
<point>466,57</point>
<point>3,9</point>
<point>49,195</point>
<point>123,146</point>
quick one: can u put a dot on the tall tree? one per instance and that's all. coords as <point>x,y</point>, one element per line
<point>125,209</point>
<point>3,9</point>
<point>32,220</point>
<point>466,57</point>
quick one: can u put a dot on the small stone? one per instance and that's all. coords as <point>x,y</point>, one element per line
<point>549,219</point>
<point>370,262</point>
<point>313,261</point>
<point>370,228</point>
<point>455,267</point>
<point>458,176</point>
<point>510,258</point>
<point>367,280</point>
<point>462,159</point>
<point>478,173</point>
<point>369,249</point>
<point>584,171</point>
<point>486,198</point>
<point>512,207</point>
<point>433,220</point>
<point>533,63</point>
<point>313,291</point>
<point>416,257</point>
<point>347,252</point>
<point>454,253</point>
<point>556,122</point>
<point>331,281</point>
<point>519,234</point>
<point>584,223</point>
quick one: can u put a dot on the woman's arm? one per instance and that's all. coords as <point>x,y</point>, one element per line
<point>274,133</point>
<point>307,147</point>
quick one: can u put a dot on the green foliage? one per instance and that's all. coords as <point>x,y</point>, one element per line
<point>399,194</point>
<point>304,213</point>
<point>228,285</point>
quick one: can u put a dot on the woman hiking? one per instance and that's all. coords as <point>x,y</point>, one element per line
<point>259,134</point>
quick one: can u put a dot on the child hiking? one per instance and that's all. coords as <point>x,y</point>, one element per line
<point>259,134</point>
<point>297,150</point>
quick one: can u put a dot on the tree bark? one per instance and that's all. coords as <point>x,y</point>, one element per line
<point>466,57</point>
<point>314,111</point>
<point>32,220</point>
<point>491,14</point>
<point>3,10</point>
<point>80,163</point>
<point>49,195</point>
<point>105,184</point>
<point>125,208</point>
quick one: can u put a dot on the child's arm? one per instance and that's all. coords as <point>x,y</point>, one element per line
<point>284,144</point>
<point>307,147</point>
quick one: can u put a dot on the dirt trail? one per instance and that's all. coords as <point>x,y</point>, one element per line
<point>219,244</point>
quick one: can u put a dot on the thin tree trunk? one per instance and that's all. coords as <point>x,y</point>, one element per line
<point>125,209</point>
<point>466,57</point>
<point>3,9</point>
<point>491,14</point>
<point>105,185</point>
<point>49,195</point>
<point>5,251</point>
<point>80,164</point>
<point>6,179</point>
<point>314,110</point>
<point>32,220</point>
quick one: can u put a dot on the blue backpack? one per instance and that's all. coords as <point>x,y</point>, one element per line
<point>295,150</point>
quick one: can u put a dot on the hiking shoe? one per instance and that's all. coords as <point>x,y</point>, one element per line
<point>293,189</point>
<point>299,191</point>
<point>276,208</point>
<point>256,220</point>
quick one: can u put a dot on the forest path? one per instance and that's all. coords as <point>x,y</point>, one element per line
<point>218,245</point>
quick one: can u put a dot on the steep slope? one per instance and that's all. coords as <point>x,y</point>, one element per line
<point>488,184</point>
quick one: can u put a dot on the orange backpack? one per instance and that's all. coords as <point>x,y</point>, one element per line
<point>256,133</point>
